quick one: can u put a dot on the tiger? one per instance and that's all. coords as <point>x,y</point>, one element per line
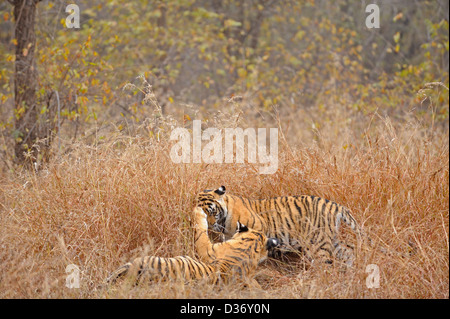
<point>238,256</point>
<point>308,224</point>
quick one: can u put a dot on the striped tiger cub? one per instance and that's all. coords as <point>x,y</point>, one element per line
<point>238,257</point>
<point>307,223</point>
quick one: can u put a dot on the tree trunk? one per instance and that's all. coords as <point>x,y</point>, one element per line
<point>25,80</point>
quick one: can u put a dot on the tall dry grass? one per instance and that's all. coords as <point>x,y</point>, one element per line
<point>121,196</point>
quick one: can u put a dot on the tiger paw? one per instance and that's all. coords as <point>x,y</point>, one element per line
<point>201,217</point>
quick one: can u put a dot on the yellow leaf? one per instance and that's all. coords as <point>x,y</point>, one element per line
<point>231,23</point>
<point>242,72</point>
<point>299,35</point>
<point>106,87</point>
<point>398,17</point>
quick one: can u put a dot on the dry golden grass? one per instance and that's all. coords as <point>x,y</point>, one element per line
<point>104,203</point>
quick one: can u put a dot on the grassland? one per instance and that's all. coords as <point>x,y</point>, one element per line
<point>107,200</point>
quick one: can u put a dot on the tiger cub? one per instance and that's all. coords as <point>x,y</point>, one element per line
<point>306,223</point>
<point>238,256</point>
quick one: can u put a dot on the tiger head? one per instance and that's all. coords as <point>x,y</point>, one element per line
<point>253,242</point>
<point>249,246</point>
<point>213,203</point>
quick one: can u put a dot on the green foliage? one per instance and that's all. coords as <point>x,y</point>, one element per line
<point>293,54</point>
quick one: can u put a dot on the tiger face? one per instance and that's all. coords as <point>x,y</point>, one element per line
<point>212,202</point>
<point>254,241</point>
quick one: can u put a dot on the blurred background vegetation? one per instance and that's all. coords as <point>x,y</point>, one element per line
<point>311,62</point>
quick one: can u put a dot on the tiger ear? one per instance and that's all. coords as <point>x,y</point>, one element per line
<point>241,228</point>
<point>272,243</point>
<point>220,191</point>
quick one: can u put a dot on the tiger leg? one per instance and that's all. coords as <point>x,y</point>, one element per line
<point>250,283</point>
<point>322,251</point>
<point>344,253</point>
